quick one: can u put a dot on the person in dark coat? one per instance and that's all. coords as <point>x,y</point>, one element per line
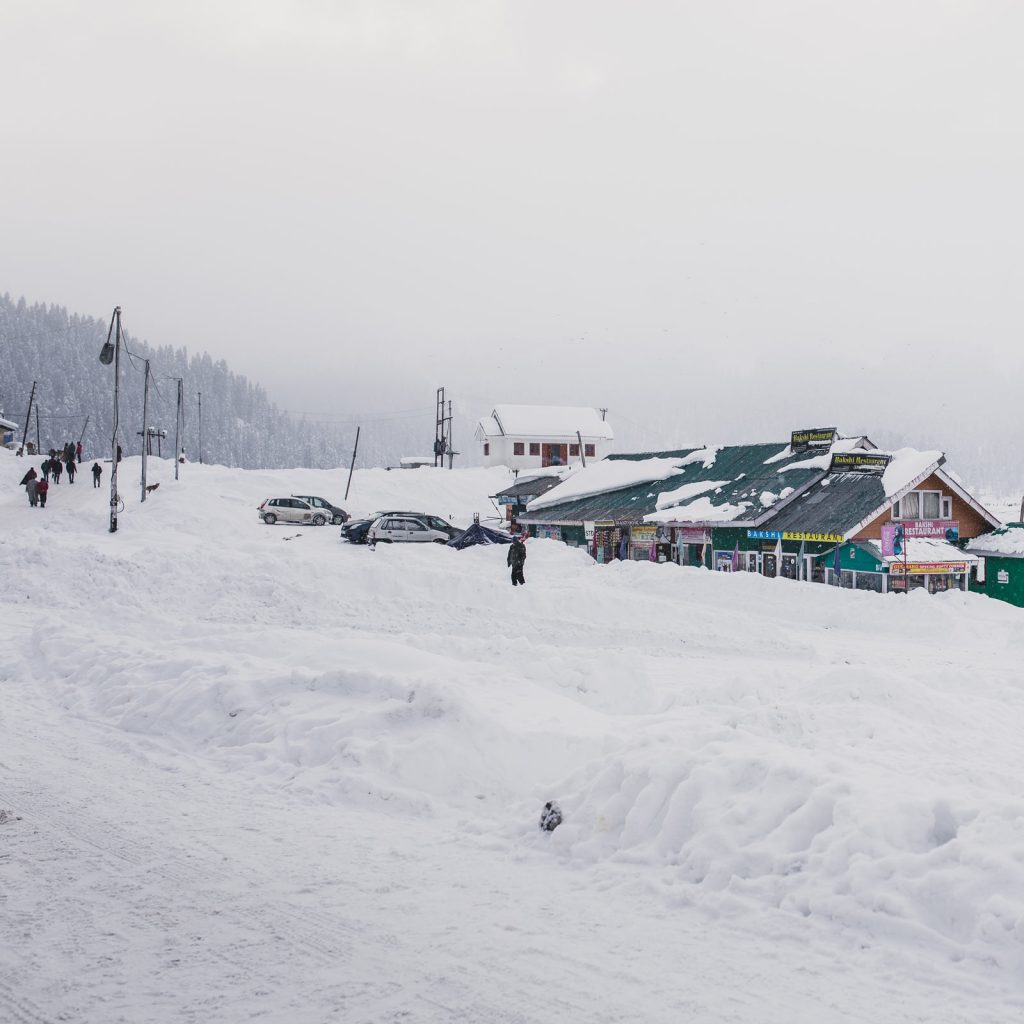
<point>97,472</point>
<point>118,453</point>
<point>30,475</point>
<point>41,489</point>
<point>516,559</point>
<point>55,468</point>
<point>70,463</point>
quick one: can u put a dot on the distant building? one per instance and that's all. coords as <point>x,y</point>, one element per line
<point>7,431</point>
<point>415,461</point>
<point>537,436</point>
<point>1000,569</point>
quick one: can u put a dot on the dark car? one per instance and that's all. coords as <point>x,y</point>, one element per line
<point>355,530</point>
<point>336,515</point>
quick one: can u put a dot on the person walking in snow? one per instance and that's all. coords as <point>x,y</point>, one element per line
<point>55,468</point>
<point>97,472</point>
<point>516,559</point>
<point>30,475</point>
<point>32,489</point>
<point>70,463</point>
<point>42,488</point>
<point>78,452</point>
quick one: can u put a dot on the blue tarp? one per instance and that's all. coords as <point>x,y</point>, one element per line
<point>478,534</point>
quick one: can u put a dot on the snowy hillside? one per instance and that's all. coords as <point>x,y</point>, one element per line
<point>256,772</point>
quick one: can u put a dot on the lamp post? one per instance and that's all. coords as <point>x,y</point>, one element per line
<point>111,353</point>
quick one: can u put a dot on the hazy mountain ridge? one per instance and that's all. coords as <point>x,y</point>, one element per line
<point>241,426</point>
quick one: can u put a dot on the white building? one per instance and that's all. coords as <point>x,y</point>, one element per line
<point>534,436</point>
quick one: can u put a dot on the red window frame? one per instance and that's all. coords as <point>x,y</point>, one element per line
<point>535,447</point>
<point>589,450</point>
<point>518,448</point>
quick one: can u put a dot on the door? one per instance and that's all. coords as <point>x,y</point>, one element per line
<point>768,567</point>
<point>554,454</point>
<point>415,531</point>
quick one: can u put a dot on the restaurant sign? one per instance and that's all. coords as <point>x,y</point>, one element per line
<point>859,462</point>
<point>643,534</point>
<point>691,535</point>
<point>817,437</point>
<point>926,568</point>
<point>942,529</point>
<point>809,536</point>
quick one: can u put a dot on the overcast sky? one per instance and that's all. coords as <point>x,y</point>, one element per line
<point>725,219</point>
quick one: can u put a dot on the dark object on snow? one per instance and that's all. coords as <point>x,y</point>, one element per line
<point>478,534</point>
<point>551,816</point>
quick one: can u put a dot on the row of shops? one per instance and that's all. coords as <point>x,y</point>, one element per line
<point>839,512</point>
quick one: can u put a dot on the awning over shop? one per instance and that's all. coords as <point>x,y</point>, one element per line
<point>925,556</point>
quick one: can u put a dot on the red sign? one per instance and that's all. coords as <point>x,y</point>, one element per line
<point>917,528</point>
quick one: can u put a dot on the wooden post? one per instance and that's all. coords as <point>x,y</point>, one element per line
<point>355,448</point>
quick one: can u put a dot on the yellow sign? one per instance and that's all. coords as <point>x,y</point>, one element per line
<point>923,568</point>
<point>823,538</point>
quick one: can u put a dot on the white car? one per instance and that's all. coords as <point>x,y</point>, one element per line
<point>392,529</point>
<point>291,510</point>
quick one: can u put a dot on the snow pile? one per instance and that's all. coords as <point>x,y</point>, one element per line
<point>703,510</point>
<point>907,465</point>
<point>705,456</point>
<point>1009,541</point>
<point>608,475</point>
<point>686,492</point>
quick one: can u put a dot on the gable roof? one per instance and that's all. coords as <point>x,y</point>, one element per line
<point>545,421</point>
<point>751,485</point>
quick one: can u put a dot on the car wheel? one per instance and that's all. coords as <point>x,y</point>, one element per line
<point>439,540</point>
<point>337,521</point>
<point>318,520</point>
<point>269,518</point>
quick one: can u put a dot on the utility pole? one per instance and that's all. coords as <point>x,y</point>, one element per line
<point>145,428</point>
<point>355,448</point>
<point>39,443</point>
<point>451,453</point>
<point>603,411</point>
<point>28,416</point>
<point>84,428</point>
<point>439,446</point>
<point>112,354</point>
<point>177,430</point>
<point>200,428</point>
<point>583,453</point>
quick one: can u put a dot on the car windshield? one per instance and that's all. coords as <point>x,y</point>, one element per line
<point>437,524</point>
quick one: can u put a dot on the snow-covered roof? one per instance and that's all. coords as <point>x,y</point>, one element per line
<point>546,421</point>
<point>608,475</point>
<point>7,424</point>
<point>1008,542</point>
<point>928,549</point>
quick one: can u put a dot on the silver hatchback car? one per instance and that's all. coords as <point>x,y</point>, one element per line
<point>290,510</point>
<point>410,529</point>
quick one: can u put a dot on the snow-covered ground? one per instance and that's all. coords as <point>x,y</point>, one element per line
<point>254,772</point>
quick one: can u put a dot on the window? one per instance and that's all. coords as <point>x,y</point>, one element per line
<point>487,448</point>
<point>518,448</point>
<point>922,505</point>
<point>535,447</point>
<point>588,450</point>
<point>947,508</point>
<point>413,525</point>
<point>574,450</point>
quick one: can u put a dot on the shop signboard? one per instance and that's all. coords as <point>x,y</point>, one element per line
<point>691,535</point>
<point>723,561</point>
<point>808,536</point>
<point>927,568</point>
<point>588,530</point>
<point>816,437</point>
<point>549,532</point>
<point>943,529</point>
<point>859,462</point>
<point>643,534</point>
<point>507,499</point>
<point>1003,576</point>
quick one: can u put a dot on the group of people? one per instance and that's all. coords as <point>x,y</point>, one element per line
<point>67,459</point>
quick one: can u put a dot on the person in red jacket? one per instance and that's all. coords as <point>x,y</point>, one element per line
<point>78,452</point>
<point>41,489</point>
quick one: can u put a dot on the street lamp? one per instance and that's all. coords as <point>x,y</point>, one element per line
<point>111,353</point>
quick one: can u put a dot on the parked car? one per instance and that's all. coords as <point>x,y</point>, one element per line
<point>411,529</point>
<point>336,515</point>
<point>355,530</point>
<point>290,510</point>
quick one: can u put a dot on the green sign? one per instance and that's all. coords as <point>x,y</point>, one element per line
<point>817,437</point>
<point>859,462</point>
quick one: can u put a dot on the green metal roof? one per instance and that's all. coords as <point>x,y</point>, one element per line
<point>835,505</point>
<point>744,466</point>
